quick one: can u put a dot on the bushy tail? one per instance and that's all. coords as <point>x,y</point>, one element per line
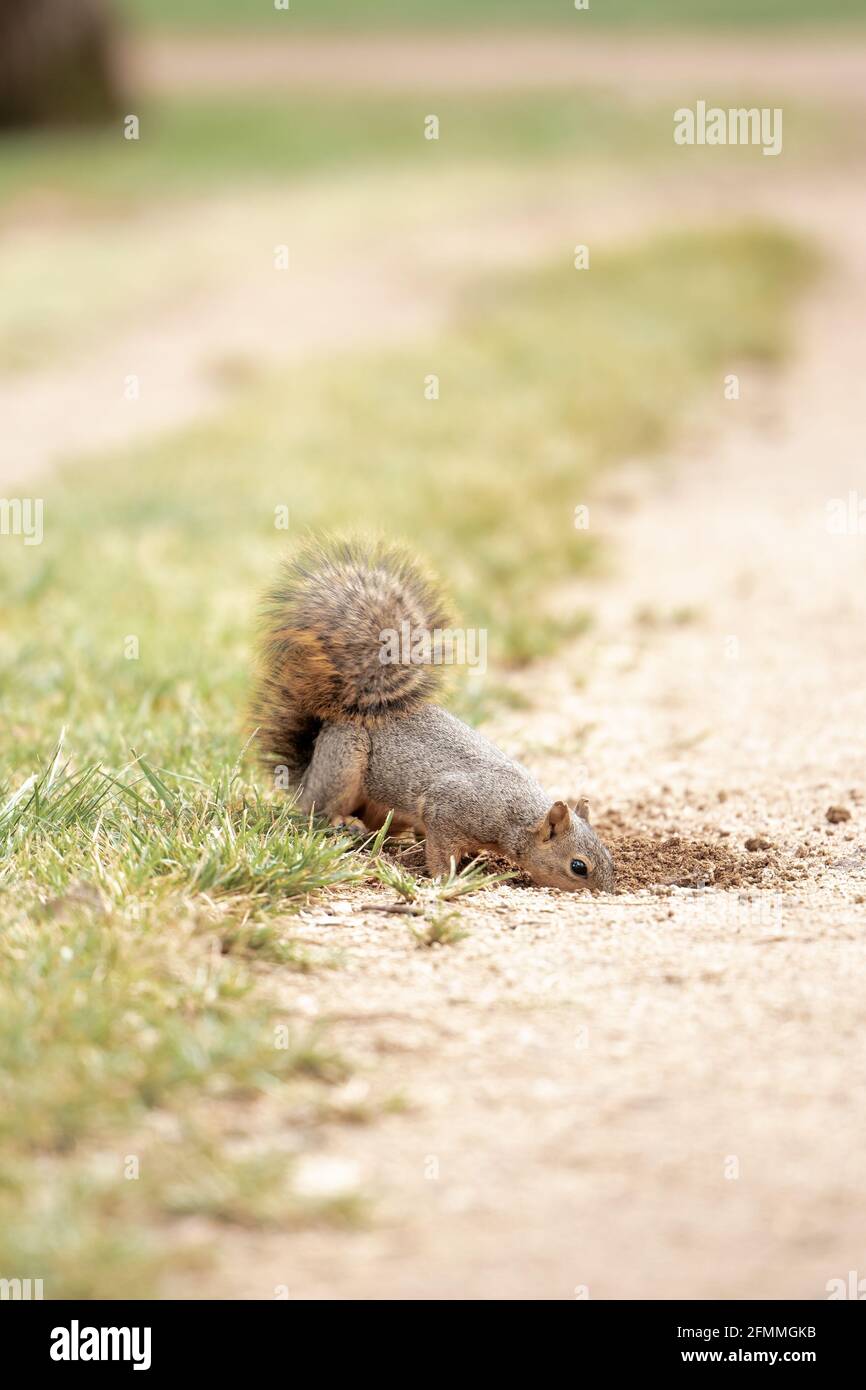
<point>330,625</point>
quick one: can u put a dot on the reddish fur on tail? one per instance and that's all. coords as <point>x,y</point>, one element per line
<point>322,643</point>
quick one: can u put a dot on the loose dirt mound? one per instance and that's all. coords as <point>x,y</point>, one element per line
<point>647,861</point>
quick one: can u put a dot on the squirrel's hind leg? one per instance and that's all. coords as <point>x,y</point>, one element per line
<point>333,784</point>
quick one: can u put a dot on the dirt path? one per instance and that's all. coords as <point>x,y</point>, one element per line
<point>802,66</point>
<point>659,1094</point>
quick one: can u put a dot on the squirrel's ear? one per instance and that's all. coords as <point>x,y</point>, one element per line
<point>556,820</point>
<point>558,817</point>
<point>582,809</point>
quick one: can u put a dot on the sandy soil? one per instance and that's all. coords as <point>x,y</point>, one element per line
<point>660,1093</point>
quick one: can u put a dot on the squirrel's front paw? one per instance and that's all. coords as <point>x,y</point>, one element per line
<point>347,823</point>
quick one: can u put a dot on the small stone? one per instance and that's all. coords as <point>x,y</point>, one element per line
<point>835,814</point>
<point>325,1177</point>
<point>757,842</point>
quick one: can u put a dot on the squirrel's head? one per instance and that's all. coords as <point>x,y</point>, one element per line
<point>565,852</point>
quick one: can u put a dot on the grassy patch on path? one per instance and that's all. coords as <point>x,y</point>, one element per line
<point>349,15</point>
<point>233,140</point>
<point>217,140</point>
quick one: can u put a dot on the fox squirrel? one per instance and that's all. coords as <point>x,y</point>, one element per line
<point>358,735</point>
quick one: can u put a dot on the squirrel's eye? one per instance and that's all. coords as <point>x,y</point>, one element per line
<point>579,868</point>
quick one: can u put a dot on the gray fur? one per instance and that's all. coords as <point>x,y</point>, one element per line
<point>458,789</point>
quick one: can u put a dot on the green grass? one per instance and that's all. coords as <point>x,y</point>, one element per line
<point>145,896</point>
<point>188,147</point>
<point>348,14</point>
<point>133,924</point>
<point>148,831</point>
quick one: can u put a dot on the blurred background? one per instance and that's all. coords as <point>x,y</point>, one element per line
<point>232,257</point>
<point>432,269</point>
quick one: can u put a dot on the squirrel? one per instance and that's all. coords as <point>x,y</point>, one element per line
<point>358,734</point>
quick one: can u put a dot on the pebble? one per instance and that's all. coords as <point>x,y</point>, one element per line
<point>325,1177</point>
